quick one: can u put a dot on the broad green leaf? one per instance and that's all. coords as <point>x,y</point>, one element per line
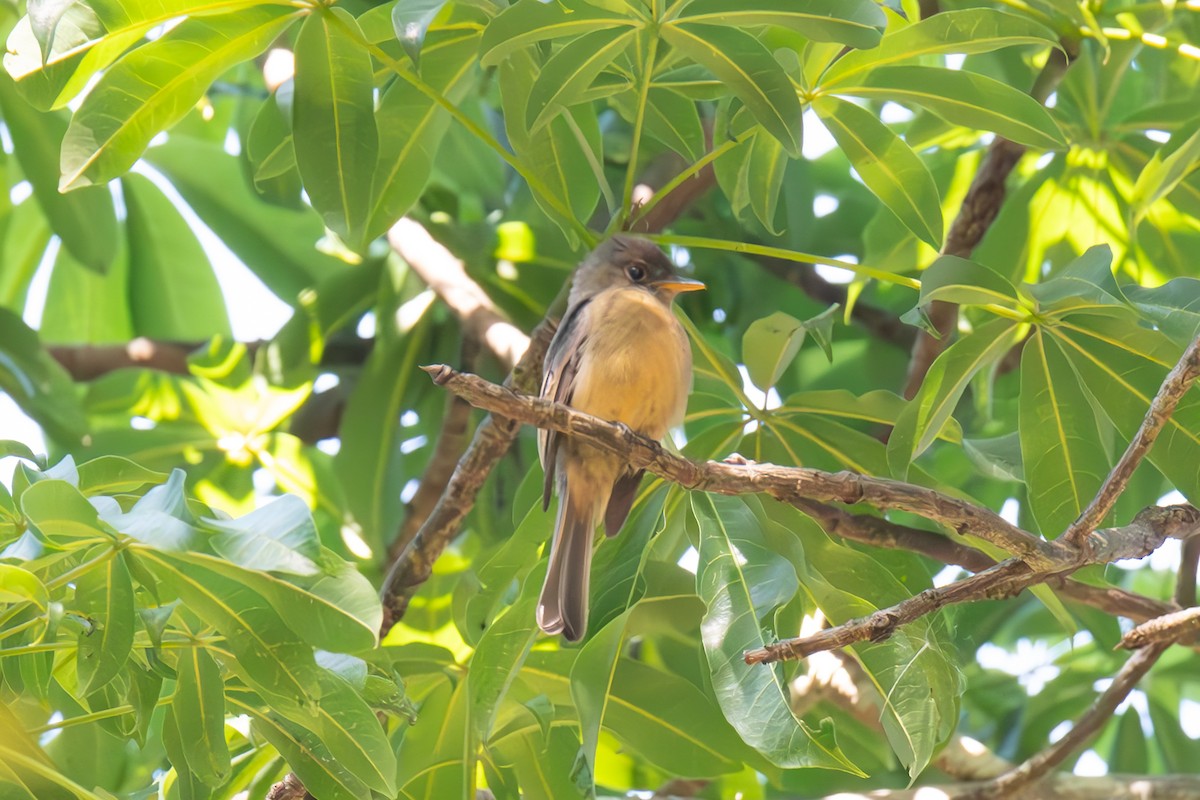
<point>60,513</point>
<point>21,254</point>
<point>970,30</point>
<point>277,244</point>
<point>199,706</point>
<point>37,383</point>
<point>416,126</point>
<point>499,655</point>
<point>154,86</point>
<point>764,179</point>
<point>411,20</point>
<point>278,537</point>
<point>857,23</point>
<point>964,98</point>
<point>265,654</point>
<point>561,154</point>
<point>739,581</point>
<point>750,71</point>
<point>174,294</point>
<point>543,763</point>
<point>570,71</point>
<point>528,21</point>
<point>85,306</point>
<point>187,785</point>
<point>506,568</point>
<point>673,119</point>
<point>436,755</point>
<point>1086,284</point>
<point>1170,165</point>
<point>84,220</point>
<point>877,406</point>
<point>1174,307</point>
<point>1062,450</point>
<point>269,145</point>
<point>1123,366</point>
<point>911,670</point>
<point>591,685</point>
<point>942,388</point>
<point>958,280</point>
<point>105,594</point>
<point>115,475</point>
<point>333,122</point>
<point>888,166</point>
<point>18,585</point>
<point>369,458</point>
<point>770,344</point>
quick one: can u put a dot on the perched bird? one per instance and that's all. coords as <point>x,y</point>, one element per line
<point>619,354</point>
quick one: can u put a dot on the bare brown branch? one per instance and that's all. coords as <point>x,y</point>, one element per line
<point>446,275</point>
<point>1185,582</point>
<point>1174,387</point>
<point>1055,787</point>
<point>1167,629</point>
<point>787,484</point>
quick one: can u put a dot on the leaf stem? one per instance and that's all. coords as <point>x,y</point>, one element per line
<point>787,255</point>
<point>638,122</point>
<point>688,172</point>
<point>82,569</point>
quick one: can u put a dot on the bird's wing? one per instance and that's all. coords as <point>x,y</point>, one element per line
<point>558,384</point>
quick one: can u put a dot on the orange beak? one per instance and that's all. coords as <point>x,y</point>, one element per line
<point>678,283</point>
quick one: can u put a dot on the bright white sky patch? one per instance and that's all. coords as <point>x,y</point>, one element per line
<point>838,275</point>
<point>824,205</point>
<point>817,139</point>
<point>1091,765</point>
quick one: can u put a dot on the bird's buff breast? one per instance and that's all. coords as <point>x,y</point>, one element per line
<point>636,363</point>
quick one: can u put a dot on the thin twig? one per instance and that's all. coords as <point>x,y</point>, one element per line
<point>1008,784</point>
<point>1185,581</point>
<point>787,484</point>
<point>1174,387</point>
<point>1143,536</point>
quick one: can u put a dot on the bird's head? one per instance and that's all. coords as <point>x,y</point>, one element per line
<point>628,261</point>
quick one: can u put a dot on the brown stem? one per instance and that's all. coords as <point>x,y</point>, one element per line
<point>1173,388</point>
<point>1185,582</point>
<point>1170,628</point>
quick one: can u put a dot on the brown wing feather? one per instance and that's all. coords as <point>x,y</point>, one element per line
<point>558,384</point>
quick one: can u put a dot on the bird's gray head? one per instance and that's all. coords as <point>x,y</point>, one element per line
<point>627,261</point>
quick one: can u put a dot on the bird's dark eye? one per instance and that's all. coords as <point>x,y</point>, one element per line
<point>635,273</point>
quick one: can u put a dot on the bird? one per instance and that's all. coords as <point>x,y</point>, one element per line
<point>619,354</point>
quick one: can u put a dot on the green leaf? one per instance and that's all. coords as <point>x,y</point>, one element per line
<point>277,244</point>
<point>265,653</point>
<point>416,127</point>
<point>764,179</point>
<point>877,406</point>
<point>115,475</point>
<point>857,23</point>
<point>84,220</point>
<point>199,706</point>
<point>187,785</point>
<point>591,684</point>
<point>965,98</point>
<point>1123,365</point>
<point>1170,165</point>
<point>154,86</point>
<point>37,383</point>
<point>970,30</point>
<point>911,670</point>
<point>570,71</point>
<point>957,280</point>
<point>60,513</point>
<point>333,124</point>
<point>437,746</point>
<point>528,21</point>
<point>83,305</point>
<point>1086,284</point>
<point>174,294</point>
<point>105,594</point>
<point>1062,450</point>
<point>499,654</point>
<point>1174,307</point>
<point>739,580</point>
<point>750,71</point>
<point>18,585</point>
<point>278,537</point>
<point>674,120</point>
<point>888,166</point>
<point>944,384</point>
<point>411,20</point>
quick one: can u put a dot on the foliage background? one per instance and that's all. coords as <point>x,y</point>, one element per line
<point>165,629</point>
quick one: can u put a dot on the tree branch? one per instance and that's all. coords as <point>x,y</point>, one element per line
<point>446,275</point>
<point>1055,787</point>
<point>1010,783</point>
<point>1174,387</point>
<point>1167,629</point>
<point>979,210</point>
<point>787,484</point>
